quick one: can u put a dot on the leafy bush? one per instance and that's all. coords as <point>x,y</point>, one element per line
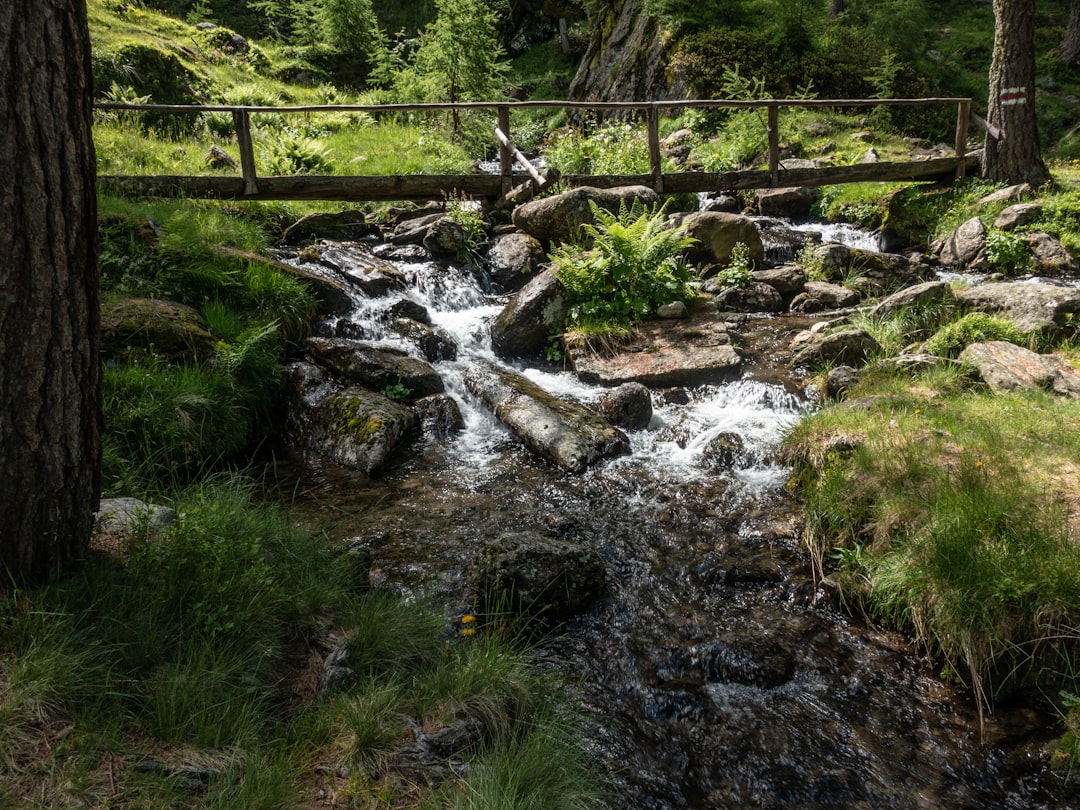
<point>739,272</point>
<point>1007,252</point>
<point>633,267</point>
<point>613,148</point>
<point>950,340</point>
<point>293,155</point>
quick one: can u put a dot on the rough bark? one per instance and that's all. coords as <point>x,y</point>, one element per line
<point>50,376</point>
<point>1070,44</point>
<point>1014,158</point>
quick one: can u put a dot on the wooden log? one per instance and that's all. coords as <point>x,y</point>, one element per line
<point>242,122</point>
<point>963,119</point>
<point>655,166</point>
<point>772,131</point>
<point>506,161</point>
<point>521,159</point>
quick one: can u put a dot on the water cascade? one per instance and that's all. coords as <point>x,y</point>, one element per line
<point>715,672</point>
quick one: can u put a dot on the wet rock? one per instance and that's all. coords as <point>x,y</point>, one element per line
<point>530,318</point>
<point>1007,367</point>
<point>1051,258</point>
<point>565,433</point>
<point>513,259</point>
<point>754,297</point>
<point>753,662</point>
<point>359,429</point>
<point>439,415</point>
<point>411,310</point>
<point>717,233</point>
<point>434,344</point>
<point>538,575</point>
<point>629,406</point>
<point>373,276</point>
<point>929,292</point>
<point>1034,308</point>
<point>307,384</point>
<point>965,248</point>
<point>839,380</point>
<point>1016,215</point>
<point>788,279</point>
<point>722,203</point>
<point>413,230</point>
<point>339,226</point>
<point>722,451</point>
<point>849,347</point>
<point>128,515</point>
<point>376,367</point>
<point>446,239</point>
<point>662,354</point>
<point>140,326</point>
<point>558,219</point>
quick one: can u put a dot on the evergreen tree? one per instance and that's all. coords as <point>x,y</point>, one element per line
<point>459,57</point>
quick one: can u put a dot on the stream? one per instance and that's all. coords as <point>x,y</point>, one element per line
<point>715,672</point>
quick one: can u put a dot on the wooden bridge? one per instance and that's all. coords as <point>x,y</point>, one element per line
<point>517,179</point>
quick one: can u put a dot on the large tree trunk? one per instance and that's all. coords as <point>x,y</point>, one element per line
<point>50,375</point>
<point>1015,157</point>
<point>1070,45</point>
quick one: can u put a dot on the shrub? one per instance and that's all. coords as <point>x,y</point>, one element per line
<point>974,327</point>
<point>739,272</point>
<point>1007,252</point>
<point>633,267</point>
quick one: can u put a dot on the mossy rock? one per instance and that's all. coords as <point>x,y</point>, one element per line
<point>359,429</point>
<point>134,327</point>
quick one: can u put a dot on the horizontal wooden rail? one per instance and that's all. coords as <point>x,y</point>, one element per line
<point>419,187</point>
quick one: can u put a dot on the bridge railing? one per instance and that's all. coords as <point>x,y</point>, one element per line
<point>252,186</point>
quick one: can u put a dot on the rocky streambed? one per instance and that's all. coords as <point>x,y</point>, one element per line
<point>637,502</point>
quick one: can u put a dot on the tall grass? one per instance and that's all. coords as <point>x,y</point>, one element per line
<point>954,523</point>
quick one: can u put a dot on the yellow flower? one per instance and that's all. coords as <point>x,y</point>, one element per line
<point>978,463</point>
<point>468,618</point>
<point>918,410</point>
<point>468,631</point>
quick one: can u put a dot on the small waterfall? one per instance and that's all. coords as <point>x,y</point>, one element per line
<point>714,673</point>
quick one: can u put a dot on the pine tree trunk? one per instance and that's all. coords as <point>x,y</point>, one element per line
<point>1070,45</point>
<point>1016,157</point>
<point>50,374</point>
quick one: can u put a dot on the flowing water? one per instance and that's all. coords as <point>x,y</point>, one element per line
<point>715,672</point>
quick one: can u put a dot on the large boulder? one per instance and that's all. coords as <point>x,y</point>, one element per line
<point>928,293</point>
<point>785,280</point>
<point>965,248</point>
<point>1034,308</point>
<point>433,343</point>
<point>559,218</point>
<point>875,272</point>
<point>849,347</point>
<point>1051,258</point>
<point>628,406</point>
<point>376,367</point>
<point>663,354</point>
<point>565,433</point>
<point>754,297</point>
<point>1017,215</point>
<point>141,326</point>
<point>541,576</point>
<point>373,276</point>
<point>359,429</point>
<point>513,259</point>
<point>823,295</point>
<point>787,202</point>
<point>530,318</point>
<point>1006,367</point>
<point>446,239</point>
<point>717,233</point>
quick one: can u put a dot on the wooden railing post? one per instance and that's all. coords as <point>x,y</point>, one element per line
<point>773,132</point>
<point>242,123</point>
<point>963,116</point>
<point>655,167</point>
<point>506,159</point>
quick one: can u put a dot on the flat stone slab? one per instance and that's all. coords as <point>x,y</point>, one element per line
<point>665,354</point>
<point>1035,308</point>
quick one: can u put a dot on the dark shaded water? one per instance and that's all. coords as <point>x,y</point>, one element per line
<point>714,673</point>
